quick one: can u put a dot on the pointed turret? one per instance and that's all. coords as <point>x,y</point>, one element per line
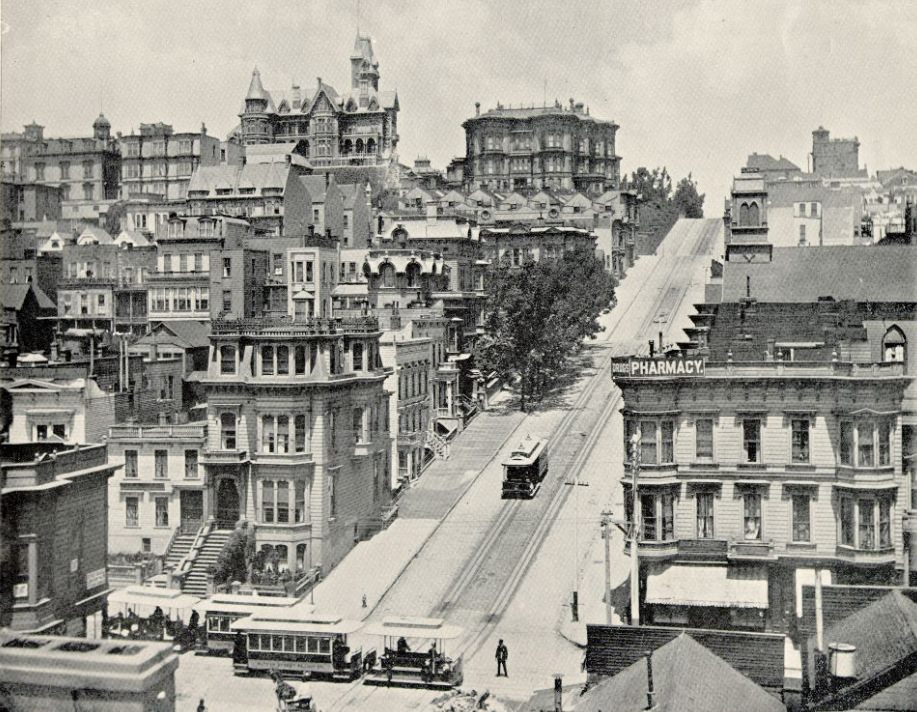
<point>364,69</point>
<point>255,89</point>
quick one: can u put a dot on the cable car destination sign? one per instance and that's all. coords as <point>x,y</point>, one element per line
<point>637,367</point>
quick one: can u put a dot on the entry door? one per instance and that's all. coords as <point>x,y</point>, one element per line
<point>192,509</point>
<point>227,504</point>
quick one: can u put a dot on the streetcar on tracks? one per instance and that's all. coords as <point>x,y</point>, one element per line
<point>414,654</point>
<point>525,469</point>
<point>221,610</point>
<point>299,642</point>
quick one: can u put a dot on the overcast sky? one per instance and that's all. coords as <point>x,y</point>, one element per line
<point>694,85</point>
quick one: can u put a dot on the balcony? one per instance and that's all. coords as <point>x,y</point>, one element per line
<point>874,557</point>
<point>656,550</point>
<point>300,327</point>
<point>289,459</point>
<point>752,550</point>
<point>224,457</point>
<point>158,432</point>
<point>712,550</point>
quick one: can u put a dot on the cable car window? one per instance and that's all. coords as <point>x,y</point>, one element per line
<point>300,644</point>
<point>313,645</point>
<point>288,644</point>
<point>324,645</point>
<point>277,642</point>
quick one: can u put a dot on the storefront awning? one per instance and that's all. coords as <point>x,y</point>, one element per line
<point>719,586</point>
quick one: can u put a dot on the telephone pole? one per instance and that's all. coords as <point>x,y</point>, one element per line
<point>606,533</point>
<point>635,532</point>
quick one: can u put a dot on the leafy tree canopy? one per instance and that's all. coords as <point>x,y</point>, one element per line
<point>660,204</point>
<point>537,315</point>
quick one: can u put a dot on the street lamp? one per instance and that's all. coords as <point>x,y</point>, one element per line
<point>635,531</point>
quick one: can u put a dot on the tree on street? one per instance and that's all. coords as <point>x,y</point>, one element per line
<point>660,204</point>
<point>538,314</point>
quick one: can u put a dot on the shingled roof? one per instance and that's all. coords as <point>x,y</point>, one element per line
<point>885,636</point>
<point>687,677</point>
<point>803,274</point>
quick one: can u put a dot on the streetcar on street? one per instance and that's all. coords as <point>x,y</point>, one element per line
<point>414,654</point>
<point>299,642</point>
<point>525,469</point>
<point>221,610</point>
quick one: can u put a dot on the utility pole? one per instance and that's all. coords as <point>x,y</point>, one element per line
<point>576,484</point>
<point>606,533</point>
<point>635,532</point>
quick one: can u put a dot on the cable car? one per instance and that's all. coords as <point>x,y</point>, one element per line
<point>423,666</point>
<point>221,610</point>
<point>296,641</point>
<point>525,469</point>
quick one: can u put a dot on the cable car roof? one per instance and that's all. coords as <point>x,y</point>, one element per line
<point>414,628</point>
<point>288,622</point>
<point>240,603</point>
<point>152,596</point>
<point>526,452</point>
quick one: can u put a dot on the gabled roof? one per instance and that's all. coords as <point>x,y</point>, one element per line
<point>315,185</point>
<point>803,274</point>
<point>687,677</point>
<point>192,334</point>
<point>13,296</point>
<point>92,234</point>
<point>137,239</point>
<point>766,162</point>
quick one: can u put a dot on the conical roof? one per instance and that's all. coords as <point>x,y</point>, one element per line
<point>255,89</point>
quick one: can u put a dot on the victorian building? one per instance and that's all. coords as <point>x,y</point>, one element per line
<point>159,161</point>
<point>358,127</point>
<point>86,170</point>
<point>778,445</point>
<point>298,435</point>
<point>529,148</point>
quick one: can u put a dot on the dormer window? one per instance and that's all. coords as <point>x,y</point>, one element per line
<point>894,346</point>
<point>176,228</point>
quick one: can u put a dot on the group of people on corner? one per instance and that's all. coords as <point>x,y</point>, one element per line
<point>156,626</point>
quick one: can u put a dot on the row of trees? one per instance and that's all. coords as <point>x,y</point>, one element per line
<point>538,314</point>
<point>660,203</point>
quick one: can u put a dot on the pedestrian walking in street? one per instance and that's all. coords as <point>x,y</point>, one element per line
<point>201,707</point>
<point>364,600</point>
<point>502,655</point>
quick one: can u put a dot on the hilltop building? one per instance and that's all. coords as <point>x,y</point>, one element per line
<point>530,148</point>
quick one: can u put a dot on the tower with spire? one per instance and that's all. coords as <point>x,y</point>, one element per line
<point>356,127</point>
<point>256,125</point>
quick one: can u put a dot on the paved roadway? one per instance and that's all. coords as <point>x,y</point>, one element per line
<point>506,568</point>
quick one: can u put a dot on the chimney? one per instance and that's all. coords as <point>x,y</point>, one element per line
<point>650,690</point>
<point>163,417</point>
<point>652,348</point>
<point>748,285</point>
<point>558,693</point>
<point>572,104</point>
<point>203,128</point>
<point>477,108</point>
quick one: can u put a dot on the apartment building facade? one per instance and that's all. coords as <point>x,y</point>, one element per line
<point>298,434</point>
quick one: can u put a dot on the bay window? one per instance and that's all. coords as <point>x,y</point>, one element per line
<point>865,522</point>
<point>227,360</point>
<point>228,431</point>
<point>300,436</point>
<point>267,502</point>
<point>300,502</point>
<point>667,432</point>
<point>657,516</point>
<point>283,502</point>
<point>866,443</point>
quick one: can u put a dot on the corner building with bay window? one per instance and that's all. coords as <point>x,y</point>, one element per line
<point>298,435</point>
<point>753,476</point>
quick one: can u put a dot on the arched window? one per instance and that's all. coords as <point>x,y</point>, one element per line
<point>753,215</point>
<point>359,145</point>
<point>413,274</point>
<point>743,214</point>
<point>283,360</point>
<point>371,146</point>
<point>387,272</point>
<point>227,431</point>
<point>894,346</point>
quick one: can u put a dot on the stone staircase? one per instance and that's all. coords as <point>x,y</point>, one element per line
<point>179,549</point>
<point>195,581</point>
<point>437,444</point>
